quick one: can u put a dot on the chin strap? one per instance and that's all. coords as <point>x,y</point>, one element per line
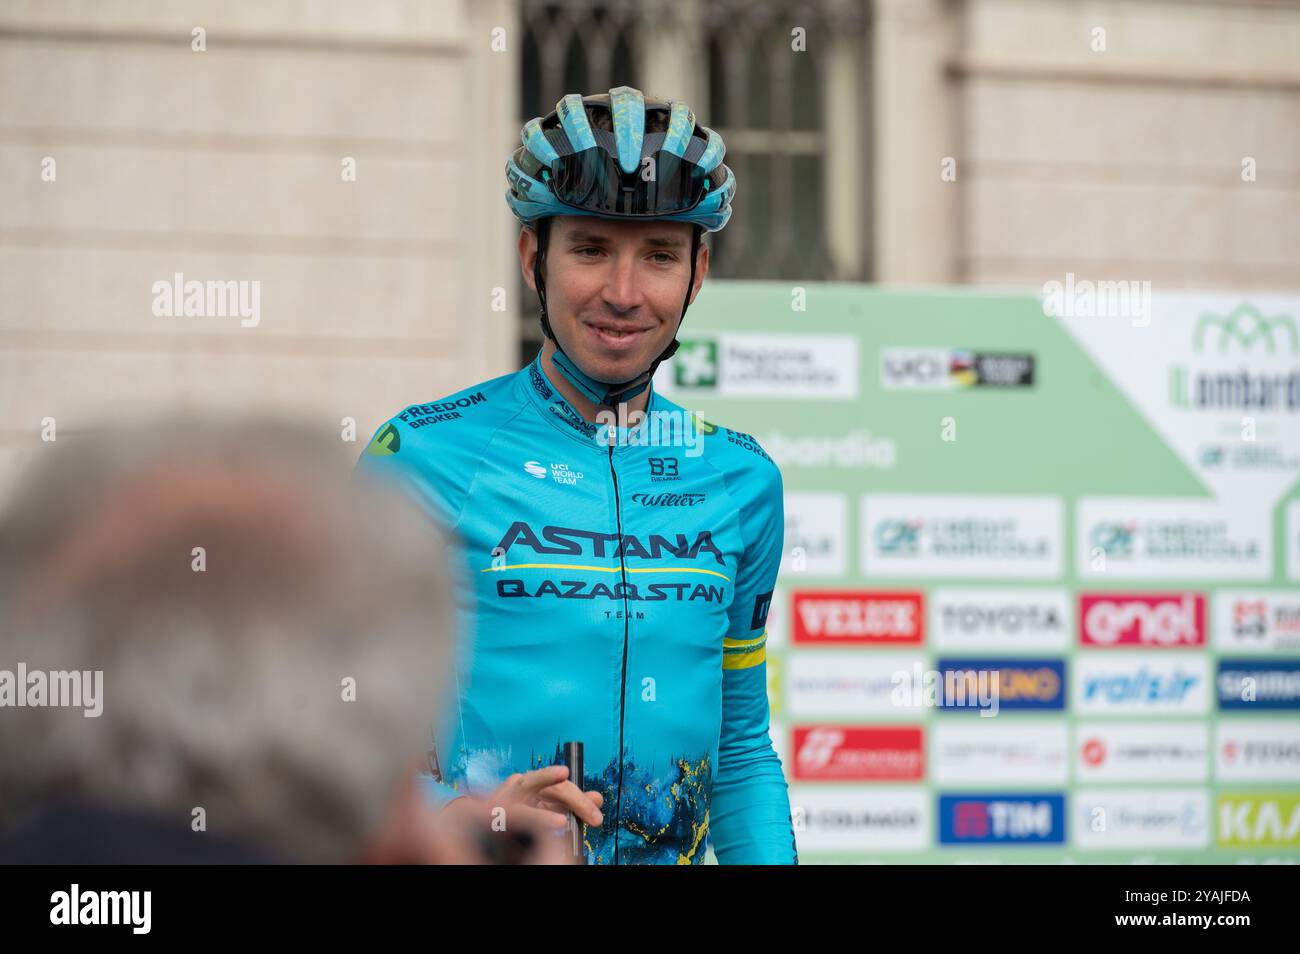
<point>603,393</point>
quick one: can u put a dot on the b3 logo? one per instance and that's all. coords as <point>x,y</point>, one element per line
<point>664,468</point>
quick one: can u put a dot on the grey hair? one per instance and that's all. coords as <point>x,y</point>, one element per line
<point>223,687</point>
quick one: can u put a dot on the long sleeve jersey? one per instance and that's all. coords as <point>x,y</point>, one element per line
<point>611,593</point>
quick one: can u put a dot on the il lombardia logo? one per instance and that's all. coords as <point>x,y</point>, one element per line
<point>1246,326</point>
<point>696,364</point>
<point>1210,385</point>
<point>385,443</point>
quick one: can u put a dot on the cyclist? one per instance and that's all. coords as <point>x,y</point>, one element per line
<point>616,570</point>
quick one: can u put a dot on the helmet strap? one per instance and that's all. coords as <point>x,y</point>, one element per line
<point>603,392</point>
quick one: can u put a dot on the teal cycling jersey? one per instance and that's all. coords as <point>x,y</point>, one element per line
<point>613,593</point>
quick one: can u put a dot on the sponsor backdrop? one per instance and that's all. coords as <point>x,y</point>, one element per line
<point>1040,598</point>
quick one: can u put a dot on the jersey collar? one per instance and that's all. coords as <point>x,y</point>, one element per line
<point>553,406</point>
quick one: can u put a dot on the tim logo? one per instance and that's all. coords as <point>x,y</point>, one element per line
<point>762,603</point>
<point>1158,620</point>
<point>1015,819</point>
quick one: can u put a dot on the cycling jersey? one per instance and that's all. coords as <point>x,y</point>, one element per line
<point>610,594</point>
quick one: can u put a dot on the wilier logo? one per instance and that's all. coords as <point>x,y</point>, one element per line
<point>668,500</point>
<point>696,365</point>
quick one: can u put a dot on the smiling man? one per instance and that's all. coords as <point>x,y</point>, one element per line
<point>614,590</point>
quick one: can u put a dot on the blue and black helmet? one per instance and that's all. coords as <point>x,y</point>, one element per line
<point>567,166</point>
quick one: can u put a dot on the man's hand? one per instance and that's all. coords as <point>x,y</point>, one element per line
<point>540,797</point>
<point>467,830</point>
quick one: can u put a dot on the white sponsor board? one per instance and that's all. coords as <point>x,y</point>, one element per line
<point>1251,621</point>
<point>816,536</point>
<point>1253,750</point>
<point>1115,819</point>
<point>1137,751</point>
<point>1170,538</point>
<point>1015,620</point>
<point>1216,376</point>
<point>1127,683</point>
<point>850,818</point>
<point>836,684</point>
<point>998,751</point>
<point>978,536</point>
<point>753,364</point>
<point>1293,540</point>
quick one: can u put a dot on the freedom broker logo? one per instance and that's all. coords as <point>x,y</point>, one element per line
<point>1018,818</point>
<point>858,617</point>
<point>1154,620</point>
<point>858,753</point>
<point>1029,684</point>
<point>1258,685</point>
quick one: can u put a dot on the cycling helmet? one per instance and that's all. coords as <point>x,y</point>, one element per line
<point>566,166</point>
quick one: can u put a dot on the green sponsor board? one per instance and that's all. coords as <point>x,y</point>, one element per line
<point>1100,509</point>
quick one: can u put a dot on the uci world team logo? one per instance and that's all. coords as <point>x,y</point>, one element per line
<point>1019,818</point>
<point>695,364</point>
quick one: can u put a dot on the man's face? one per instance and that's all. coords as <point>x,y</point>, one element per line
<point>614,290</point>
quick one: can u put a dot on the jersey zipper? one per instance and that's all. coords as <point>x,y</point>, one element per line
<point>622,689</point>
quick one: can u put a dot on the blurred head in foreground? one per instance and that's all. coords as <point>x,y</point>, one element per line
<point>271,638</point>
